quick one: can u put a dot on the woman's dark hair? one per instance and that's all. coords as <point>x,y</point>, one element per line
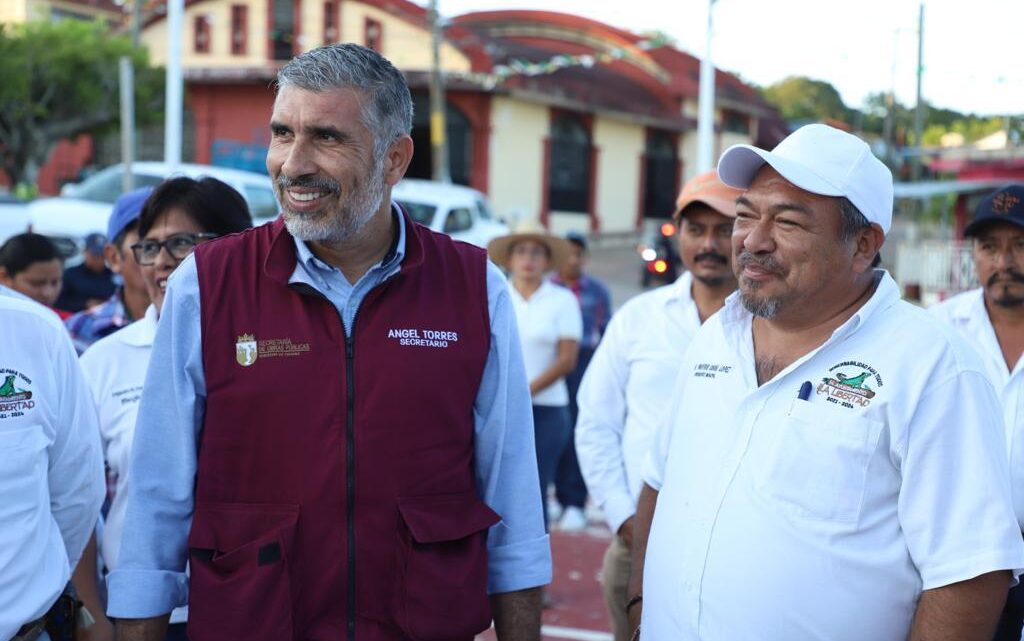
<point>213,205</point>
<point>21,251</point>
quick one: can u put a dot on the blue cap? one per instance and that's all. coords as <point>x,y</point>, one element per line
<point>578,239</point>
<point>94,243</point>
<point>126,211</point>
<point>1003,205</point>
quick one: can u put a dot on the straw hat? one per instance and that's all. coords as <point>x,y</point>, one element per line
<point>500,248</point>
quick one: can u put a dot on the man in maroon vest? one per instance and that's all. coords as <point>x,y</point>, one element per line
<point>335,429</point>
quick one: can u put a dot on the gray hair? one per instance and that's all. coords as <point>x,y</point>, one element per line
<point>852,222</point>
<point>387,110</point>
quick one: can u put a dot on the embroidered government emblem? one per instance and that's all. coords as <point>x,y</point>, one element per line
<point>246,351</point>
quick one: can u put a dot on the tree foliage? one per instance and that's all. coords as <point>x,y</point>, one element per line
<point>799,98</point>
<point>803,99</point>
<point>60,80</point>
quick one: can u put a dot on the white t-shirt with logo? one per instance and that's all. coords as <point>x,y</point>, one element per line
<point>51,470</point>
<point>826,517</point>
<point>551,314</point>
<point>115,368</point>
<point>967,314</point>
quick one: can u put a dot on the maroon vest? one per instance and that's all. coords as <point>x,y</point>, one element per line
<point>336,495</point>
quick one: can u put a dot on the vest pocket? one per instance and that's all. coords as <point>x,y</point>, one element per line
<point>442,566</point>
<point>239,587</point>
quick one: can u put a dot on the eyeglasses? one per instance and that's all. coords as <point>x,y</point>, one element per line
<point>179,246</point>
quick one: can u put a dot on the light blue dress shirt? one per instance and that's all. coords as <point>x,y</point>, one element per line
<point>151,580</point>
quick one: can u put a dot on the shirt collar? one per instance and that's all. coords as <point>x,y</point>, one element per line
<point>545,286</point>
<point>681,290</point>
<point>308,264</point>
<point>970,306</point>
<point>142,332</point>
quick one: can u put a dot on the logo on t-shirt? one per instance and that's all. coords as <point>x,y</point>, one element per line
<point>850,383</point>
<point>15,395</point>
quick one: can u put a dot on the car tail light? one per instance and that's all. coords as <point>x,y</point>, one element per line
<point>668,229</point>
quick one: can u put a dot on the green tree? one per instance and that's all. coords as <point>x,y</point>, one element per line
<point>800,98</point>
<point>60,80</point>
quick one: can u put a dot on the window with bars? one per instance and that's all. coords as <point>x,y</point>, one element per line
<point>201,34</point>
<point>330,22</point>
<point>239,29</point>
<point>569,178</point>
<point>282,33</point>
<point>661,166</point>
<point>373,35</point>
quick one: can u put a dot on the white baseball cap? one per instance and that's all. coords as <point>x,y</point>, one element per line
<point>821,160</point>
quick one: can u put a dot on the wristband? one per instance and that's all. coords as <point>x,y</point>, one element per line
<point>636,599</point>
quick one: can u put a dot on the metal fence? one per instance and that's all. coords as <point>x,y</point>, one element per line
<point>937,268</point>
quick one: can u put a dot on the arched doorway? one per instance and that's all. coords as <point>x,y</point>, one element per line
<point>460,142</point>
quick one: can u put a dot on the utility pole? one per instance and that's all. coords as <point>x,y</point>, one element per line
<point>127,87</point>
<point>706,103</point>
<point>915,166</point>
<point>174,92</point>
<point>438,143</point>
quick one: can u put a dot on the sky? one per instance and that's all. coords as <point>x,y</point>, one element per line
<point>973,50</point>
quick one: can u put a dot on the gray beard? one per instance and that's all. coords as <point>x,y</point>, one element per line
<point>763,307</point>
<point>345,224</point>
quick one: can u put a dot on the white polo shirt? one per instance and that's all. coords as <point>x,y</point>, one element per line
<point>51,470</point>
<point>623,395</point>
<point>551,314</point>
<point>782,519</point>
<point>966,313</point>
<point>115,368</point>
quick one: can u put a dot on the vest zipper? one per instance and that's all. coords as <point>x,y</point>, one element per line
<point>350,447</point>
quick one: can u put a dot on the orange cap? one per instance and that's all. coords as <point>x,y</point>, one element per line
<point>706,188</point>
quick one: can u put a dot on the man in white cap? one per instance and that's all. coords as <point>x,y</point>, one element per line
<point>833,466</point>
<point>622,396</point>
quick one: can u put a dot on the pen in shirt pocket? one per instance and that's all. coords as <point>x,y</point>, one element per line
<point>805,392</point>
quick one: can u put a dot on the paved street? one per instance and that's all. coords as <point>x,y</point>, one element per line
<point>618,265</point>
<point>578,611</point>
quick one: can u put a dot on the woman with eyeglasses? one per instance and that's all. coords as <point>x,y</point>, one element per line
<point>180,213</point>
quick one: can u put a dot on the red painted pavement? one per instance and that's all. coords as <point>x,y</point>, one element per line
<point>577,604</point>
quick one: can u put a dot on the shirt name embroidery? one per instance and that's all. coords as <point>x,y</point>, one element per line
<point>414,337</point>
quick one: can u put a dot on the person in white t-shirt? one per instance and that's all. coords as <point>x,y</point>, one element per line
<point>624,391</point>
<point>991,318</point>
<point>51,473</point>
<point>550,327</point>
<point>832,466</point>
<point>180,213</point>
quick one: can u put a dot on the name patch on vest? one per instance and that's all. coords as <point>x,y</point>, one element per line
<point>248,349</point>
<point>414,337</point>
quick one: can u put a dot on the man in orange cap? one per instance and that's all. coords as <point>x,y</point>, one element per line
<point>631,374</point>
